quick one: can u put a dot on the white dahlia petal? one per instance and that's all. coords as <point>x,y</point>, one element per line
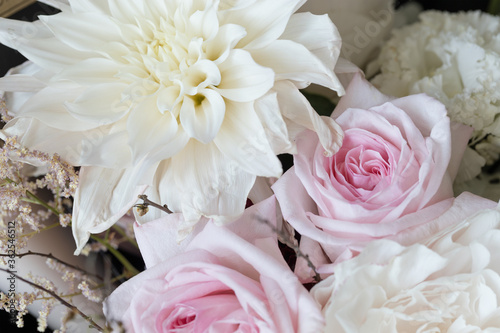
<point>202,115</point>
<point>82,31</point>
<point>312,31</point>
<point>205,92</point>
<point>268,111</point>
<point>264,21</point>
<point>48,53</point>
<point>235,4</point>
<point>48,106</point>
<point>174,146</point>
<point>149,130</point>
<point>91,147</point>
<point>125,11</point>
<point>243,129</point>
<point>200,75</point>
<point>81,6</point>
<point>92,71</point>
<point>62,5</point>
<point>217,190</point>
<point>101,104</point>
<point>227,37</point>
<point>204,21</point>
<point>96,145</point>
<point>296,109</point>
<point>293,61</point>
<point>102,198</point>
<point>22,88</point>
<point>243,80</point>
<point>11,31</point>
<point>22,82</point>
<point>346,71</point>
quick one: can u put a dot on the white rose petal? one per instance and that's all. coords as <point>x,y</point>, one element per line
<point>449,283</point>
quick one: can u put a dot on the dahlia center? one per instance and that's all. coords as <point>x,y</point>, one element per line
<point>171,65</point>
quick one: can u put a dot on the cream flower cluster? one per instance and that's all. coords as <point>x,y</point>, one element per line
<point>456,59</point>
<point>193,98</point>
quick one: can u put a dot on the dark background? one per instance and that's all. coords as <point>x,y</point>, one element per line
<point>10,58</point>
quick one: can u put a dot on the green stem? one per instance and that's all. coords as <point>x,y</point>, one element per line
<point>128,266</point>
<point>106,235</point>
<point>124,235</point>
<point>10,181</point>
<point>52,226</point>
<point>33,198</point>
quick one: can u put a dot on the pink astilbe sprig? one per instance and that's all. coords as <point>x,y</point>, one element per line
<point>61,178</point>
<point>93,295</point>
<point>18,187</point>
<point>36,192</point>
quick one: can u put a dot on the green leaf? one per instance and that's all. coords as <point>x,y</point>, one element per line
<point>494,7</point>
<point>321,104</point>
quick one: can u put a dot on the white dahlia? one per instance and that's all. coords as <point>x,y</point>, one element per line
<point>456,59</point>
<point>192,97</point>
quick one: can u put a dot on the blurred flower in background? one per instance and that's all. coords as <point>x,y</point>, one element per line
<point>362,24</point>
<point>454,58</point>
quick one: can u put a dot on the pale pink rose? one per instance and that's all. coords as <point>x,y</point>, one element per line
<point>225,279</point>
<point>393,173</point>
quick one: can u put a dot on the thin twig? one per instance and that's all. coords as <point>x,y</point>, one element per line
<point>295,248</point>
<point>99,286</point>
<point>50,256</point>
<point>148,202</point>
<point>57,297</point>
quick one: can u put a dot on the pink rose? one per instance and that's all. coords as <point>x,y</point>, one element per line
<point>392,175</point>
<point>226,279</point>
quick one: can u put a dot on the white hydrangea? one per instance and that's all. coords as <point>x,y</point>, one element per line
<point>454,57</point>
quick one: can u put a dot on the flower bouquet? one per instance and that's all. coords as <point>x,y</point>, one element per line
<point>162,133</point>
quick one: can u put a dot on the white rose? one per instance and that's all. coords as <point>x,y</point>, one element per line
<point>450,283</point>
